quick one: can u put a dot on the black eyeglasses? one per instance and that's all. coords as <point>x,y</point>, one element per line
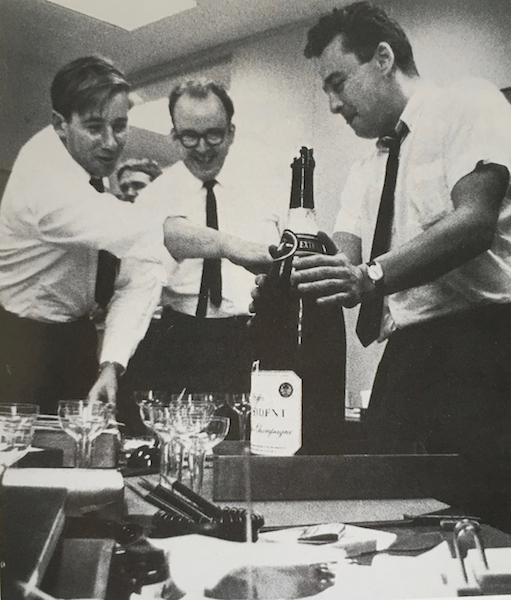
<point>191,139</point>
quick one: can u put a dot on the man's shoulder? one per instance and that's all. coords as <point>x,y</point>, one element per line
<point>40,145</point>
<point>471,94</point>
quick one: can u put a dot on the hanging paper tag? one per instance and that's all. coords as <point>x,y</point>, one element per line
<point>276,413</point>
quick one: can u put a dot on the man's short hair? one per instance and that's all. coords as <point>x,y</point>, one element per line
<point>201,88</point>
<point>363,26</point>
<point>144,165</point>
<point>85,83</point>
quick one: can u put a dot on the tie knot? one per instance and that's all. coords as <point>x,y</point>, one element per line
<point>209,185</point>
<point>97,184</point>
<point>394,141</point>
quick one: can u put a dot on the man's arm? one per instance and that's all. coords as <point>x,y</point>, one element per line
<point>137,293</point>
<point>184,240</point>
<point>457,238</point>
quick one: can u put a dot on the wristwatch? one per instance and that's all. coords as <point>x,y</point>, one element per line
<point>375,273</point>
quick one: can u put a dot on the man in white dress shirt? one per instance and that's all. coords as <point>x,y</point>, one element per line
<point>53,222</point>
<point>436,259</point>
<point>204,345</point>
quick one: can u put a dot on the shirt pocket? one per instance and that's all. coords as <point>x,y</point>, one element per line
<point>429,194</point>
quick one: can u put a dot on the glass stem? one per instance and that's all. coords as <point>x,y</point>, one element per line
<point>83,455</point>
<point>171,465</point>
<point>243,419</point>
<point>196,460</point>
<point>164,460</point>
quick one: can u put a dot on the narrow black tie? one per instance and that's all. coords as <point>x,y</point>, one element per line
<point>108,264</point>
<point>371,309</point>
<point>211,282</point>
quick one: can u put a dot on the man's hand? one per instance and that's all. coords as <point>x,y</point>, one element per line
<point>330,279</point>
<point>105,388</point>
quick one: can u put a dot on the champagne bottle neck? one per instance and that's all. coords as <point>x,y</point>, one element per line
<point>302,182</point>
<point>302,220</point>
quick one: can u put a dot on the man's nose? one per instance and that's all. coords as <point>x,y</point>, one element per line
<point>131,195</point>
<point>336,103</point>
<point>202,146</point>
<point>109,140</point>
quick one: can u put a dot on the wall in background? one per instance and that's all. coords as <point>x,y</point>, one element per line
<point>280,105</point>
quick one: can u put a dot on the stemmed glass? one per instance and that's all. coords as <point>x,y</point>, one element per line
<point>240,403</point>
<point>154,407</point>
<point>188,418</point>
<point>84,421</point>
<point>211,435</point>
<point>16,432</point>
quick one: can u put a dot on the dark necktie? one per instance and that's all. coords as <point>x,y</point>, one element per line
<point>108,264</point>
<point>211,282</point>
<point>371,309</point>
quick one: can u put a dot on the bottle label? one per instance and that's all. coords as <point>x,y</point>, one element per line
<point>309,244</point>
<point>276,413</point>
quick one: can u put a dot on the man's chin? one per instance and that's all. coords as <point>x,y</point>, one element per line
<point>203,173</point>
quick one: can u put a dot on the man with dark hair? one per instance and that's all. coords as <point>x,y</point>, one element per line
<point>134,174</point>
<point>429,257</point>
<point>53,225</point>
<point>218,218</point>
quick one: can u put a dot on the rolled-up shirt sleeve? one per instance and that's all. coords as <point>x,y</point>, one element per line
<point>137,294</point>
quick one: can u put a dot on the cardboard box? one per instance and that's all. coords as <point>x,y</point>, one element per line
<point>346,477</point>
<point>104,449</point>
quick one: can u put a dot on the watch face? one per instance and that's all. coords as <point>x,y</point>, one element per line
<point>375,272</point>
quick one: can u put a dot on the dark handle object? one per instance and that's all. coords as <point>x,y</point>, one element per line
<point>178,501</point>
<point>232,525</point>
<point>209,509</point>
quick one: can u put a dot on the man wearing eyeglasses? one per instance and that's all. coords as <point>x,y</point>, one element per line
<point>219,213</point>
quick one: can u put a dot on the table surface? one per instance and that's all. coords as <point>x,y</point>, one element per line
<point>286,513</point>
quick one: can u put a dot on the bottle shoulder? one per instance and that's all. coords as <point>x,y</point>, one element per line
<point>302,220</point>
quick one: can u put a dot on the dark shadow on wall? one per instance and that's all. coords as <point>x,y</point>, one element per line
<point>4,176</point>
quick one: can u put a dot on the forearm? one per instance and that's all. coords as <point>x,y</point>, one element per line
<point>138,291</point>
<point>184,240</point>
<point>450,243</point>
<point>454,240</point>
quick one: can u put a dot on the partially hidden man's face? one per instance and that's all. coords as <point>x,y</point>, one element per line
<point>131,183</point>
<point>96,138</point>
<point>357,91</point>
<point>199,115</point>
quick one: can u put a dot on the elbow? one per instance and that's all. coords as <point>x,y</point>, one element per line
<point>483,235</point>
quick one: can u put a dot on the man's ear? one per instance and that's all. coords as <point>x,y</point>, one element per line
<point>232,130</point>
<point>385,58</point>
<point>59,124</point>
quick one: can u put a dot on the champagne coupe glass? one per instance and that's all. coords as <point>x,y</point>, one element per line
<point>7,436</point>
<point>189,418</point>
<point>240,403</point>
<point>163,423</point>
<point>83,420</point>
<point>17,422</point>
<point>211,435</point>
<point>146,399</point>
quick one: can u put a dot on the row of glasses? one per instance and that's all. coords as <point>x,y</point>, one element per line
<point>186,427</point>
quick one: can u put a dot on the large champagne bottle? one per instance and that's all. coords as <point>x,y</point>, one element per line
<point>295,334</point>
